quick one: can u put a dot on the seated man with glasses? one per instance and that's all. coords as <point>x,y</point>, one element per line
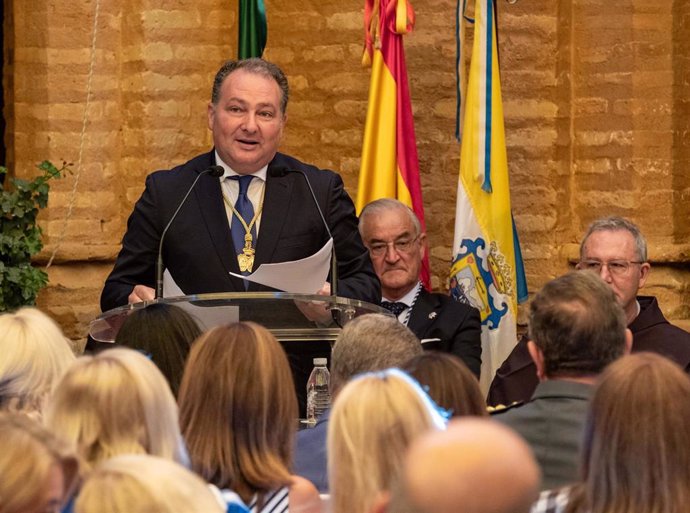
<point>393,235</point>
<point>616,250</point>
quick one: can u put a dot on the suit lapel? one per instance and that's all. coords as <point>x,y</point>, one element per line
<point>420,317</point>
<point>273,216</point>
<point>210,198</point>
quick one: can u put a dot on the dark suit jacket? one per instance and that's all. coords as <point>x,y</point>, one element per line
<point>457,325</point>
<point>516,379</point>
<point>198,249</point>
<point>310,456</point>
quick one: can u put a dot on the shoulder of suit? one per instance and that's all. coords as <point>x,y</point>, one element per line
<point>196,164</point>
<point>502,408</point>
<point>312,171</point>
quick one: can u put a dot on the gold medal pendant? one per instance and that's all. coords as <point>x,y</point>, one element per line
<point>246,258</point>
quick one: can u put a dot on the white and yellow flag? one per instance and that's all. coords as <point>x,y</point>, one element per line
<point>487,269</point>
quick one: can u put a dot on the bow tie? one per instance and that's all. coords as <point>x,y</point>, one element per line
<point>396,308</point>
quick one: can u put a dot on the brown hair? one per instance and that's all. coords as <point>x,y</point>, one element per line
<point>238,409</point>
<point>578,324</point>
<point>636,455</point>
<point>449,383</point>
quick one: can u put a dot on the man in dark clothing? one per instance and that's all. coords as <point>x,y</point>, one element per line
<point>576,329</point>
<point>616,249</point>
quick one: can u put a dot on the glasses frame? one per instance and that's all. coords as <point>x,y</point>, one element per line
<point>382,250</point>
<point>620,267</point>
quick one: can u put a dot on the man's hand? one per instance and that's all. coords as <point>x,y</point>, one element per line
<point>317,311</point>
<point>141,293</point>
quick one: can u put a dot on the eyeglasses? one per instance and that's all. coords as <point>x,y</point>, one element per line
<point>615,267</point>
<point>378,249</point>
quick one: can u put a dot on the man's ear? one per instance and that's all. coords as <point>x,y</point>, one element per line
<point>644,274</point>
<point>538,358</point>
<point>423,241</point>
<point>628,341</point>
<point>210,113</point>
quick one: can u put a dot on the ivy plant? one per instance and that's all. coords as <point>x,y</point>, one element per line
<point>21,237</point>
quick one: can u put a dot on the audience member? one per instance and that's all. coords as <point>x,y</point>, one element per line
<point>636,456</point>
<point>397,245</point>
<point>368,343</point>
<point>576,329</point>
<point>449,383</point>
<point>165,333</point>
<point>238,413</point>
<point>35,355</point>
<point>114,403</point>
<point>475,466</point>
<point>375,418</point>
<point>145,484</point>
<point>37,471</point>
<point>614,248</point>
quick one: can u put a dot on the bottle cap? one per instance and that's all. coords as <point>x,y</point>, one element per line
<point>320,361</point>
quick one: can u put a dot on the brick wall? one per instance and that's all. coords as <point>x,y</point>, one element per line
<point>596,103</point>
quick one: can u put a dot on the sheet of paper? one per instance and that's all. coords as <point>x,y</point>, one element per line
<point>207,317</point>
<point>304,276</point>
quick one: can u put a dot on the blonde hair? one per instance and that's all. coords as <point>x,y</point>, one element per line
<point>35,355</point>
<point>374,419</point>
<point>117,402</point>
<point>28,453</point>
<point>635,455</point>
<point>238,409</point>
<point>145,484</point>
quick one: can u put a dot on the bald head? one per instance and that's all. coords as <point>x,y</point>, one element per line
<point>475,466</point>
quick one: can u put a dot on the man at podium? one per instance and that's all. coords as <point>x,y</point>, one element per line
<point>259,211</point>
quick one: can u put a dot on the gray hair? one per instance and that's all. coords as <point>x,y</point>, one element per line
<point>369,343</point>
<point>387,204</point>
<point>617,223</point>
<point>258,67</point>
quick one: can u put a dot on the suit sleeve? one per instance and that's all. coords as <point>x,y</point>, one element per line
<point>356,276</point>
<point>467,341</point>
<point>136,262</point>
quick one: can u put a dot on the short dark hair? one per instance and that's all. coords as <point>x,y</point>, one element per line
<point>164,333</point>
<point>578,324</point>
<point>257,66</point>
<point>371,342</point>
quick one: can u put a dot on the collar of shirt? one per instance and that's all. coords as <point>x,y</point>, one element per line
<point>231,189</point>
<point>407,299</point>
<point>261,173</point>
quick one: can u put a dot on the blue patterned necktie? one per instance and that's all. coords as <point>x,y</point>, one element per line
<point>246,210</point>
<point>396,308</point>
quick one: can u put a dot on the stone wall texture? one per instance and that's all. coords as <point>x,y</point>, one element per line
<point>596,96</point>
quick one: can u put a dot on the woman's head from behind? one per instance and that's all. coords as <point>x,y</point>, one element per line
<point>165,332</point>
<point>38,471</point>
<point>636,455</point>
<point>449,383</point>
<point>116,402</point>
<point>144,484</point>
<point>238,409</point>
<point>35,354</point>
<point>374,419</point>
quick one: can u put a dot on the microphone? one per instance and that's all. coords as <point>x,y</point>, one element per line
<point>216,172</point>
<point>281,172</point>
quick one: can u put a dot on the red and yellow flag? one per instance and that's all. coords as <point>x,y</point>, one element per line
<point>390,167</point>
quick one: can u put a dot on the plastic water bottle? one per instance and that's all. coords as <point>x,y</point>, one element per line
<point>318,390</point>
